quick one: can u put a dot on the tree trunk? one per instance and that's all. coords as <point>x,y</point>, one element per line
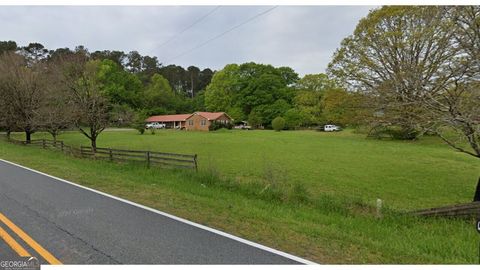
<point>476,198</point>
<point>94,144</point>
<point>28,136</point>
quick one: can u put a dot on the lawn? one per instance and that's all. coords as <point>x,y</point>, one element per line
<point>405,175</point>
<point>324,215</point>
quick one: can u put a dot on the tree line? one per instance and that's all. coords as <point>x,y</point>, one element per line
<point>259,93</point>
<point>52,90</point>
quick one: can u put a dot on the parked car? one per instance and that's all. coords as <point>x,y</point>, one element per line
<point>329,128</point>
<point>154,125</point>
<point>243,125</point>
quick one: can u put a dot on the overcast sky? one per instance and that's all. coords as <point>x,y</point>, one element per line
<point>303,38</point>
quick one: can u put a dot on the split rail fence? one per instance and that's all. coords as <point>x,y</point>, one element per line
<point>151,158</point>
<point>465,210</point>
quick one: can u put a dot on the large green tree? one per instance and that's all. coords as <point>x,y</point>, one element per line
<point>120,86</point>
<point>397,54</point>
<point>343,108</point>
<point>307,101</point>
<point>248,88</point>
<point>224,84</point>
<point>159,96</point>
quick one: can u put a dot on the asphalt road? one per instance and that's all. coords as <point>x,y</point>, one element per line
<point>76,225</point>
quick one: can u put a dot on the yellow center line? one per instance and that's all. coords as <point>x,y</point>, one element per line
<point>32,243</point>
<point>13,244</point>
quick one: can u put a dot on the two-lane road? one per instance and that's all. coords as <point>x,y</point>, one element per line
<point>77,225</point>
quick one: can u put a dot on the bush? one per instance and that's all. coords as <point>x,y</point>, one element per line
<point>278,123</point>
<point>223,130</point>
<point>394,132</point>
<point>218,125</point>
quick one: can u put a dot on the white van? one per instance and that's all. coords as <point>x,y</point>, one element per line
<point>329,128</point>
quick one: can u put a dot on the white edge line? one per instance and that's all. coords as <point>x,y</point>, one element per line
<point>236,238</point>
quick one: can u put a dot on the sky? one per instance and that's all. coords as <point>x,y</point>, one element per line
<point>301,37</point>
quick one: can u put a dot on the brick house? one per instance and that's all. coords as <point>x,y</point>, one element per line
<point>194,121</point>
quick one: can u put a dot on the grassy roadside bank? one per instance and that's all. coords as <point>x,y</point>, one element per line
<point>328,229</point>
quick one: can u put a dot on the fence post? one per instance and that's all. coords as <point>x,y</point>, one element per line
<point>379,208</point>
<point>61,145</point>
<point>195,161</point>
<point>43,143</point>
<point>148,159</point>
<point>111,154</point>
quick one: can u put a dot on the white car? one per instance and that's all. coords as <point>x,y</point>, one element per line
<point>154,125</point>
<point>243,125</point>
<point>329,128</point>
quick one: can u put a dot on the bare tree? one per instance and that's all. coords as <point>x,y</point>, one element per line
<point>90,105</point>
<point>23,90</point>
<point>7,115</point>
<point>7,121</point>
<point>56,113</point>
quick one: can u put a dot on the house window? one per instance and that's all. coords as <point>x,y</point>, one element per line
<point>203,122</point>
<point>190,122</point>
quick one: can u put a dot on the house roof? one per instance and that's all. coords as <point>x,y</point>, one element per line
<point>184,117</point>
<point>212,115</point>
<point>168,118</point>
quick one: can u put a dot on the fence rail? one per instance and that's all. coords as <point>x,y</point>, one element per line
<point>151,158</point>
<point>464,210</point>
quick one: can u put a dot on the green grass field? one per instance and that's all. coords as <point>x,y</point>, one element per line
<point>304,192</point>
<point>406,175</point>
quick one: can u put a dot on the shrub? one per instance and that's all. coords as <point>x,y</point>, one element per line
<point>218,125</point>
<point>223,130</point>
<point>394,132</point>
<point>278,123</point>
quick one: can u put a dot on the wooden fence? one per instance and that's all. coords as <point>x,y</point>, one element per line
<point>50,144</point>
<point>151,158</point>
<point>465,210</point>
